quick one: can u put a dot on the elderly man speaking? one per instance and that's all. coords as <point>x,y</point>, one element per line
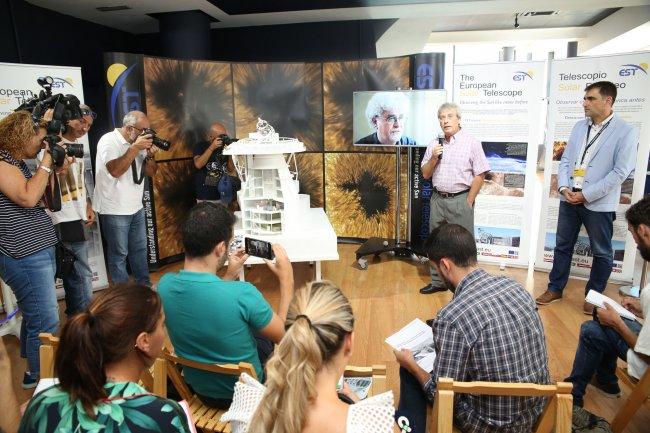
<point>386,112</point>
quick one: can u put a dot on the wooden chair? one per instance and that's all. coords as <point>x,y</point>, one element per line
<point>557,413</point>
<point>639,395</point>
<point>47,352</point>
<point>376,372</point>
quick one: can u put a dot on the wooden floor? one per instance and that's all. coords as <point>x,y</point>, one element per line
<point>385,297</point>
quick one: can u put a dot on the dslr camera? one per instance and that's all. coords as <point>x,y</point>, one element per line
<point>66,108</point>
<point>226,139</point>
<point>157,141</point>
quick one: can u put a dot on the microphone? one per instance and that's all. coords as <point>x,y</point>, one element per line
<point>441,139</point>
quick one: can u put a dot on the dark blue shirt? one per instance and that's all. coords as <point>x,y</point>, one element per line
<point>203,191</point>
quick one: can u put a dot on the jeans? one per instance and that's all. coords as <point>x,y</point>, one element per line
<point>598,348</point>
<point>599,227</point>
<point>31,278</point>
<point>126,236</point>
<point>413,402</point>
<point>78,285</point>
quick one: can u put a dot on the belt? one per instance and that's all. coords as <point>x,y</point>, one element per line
<point>449,194</point>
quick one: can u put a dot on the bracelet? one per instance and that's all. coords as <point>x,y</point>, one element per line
<point>47,169</point>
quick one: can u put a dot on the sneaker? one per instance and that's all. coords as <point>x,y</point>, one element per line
<point>609,390</point>
<point>30,380</point>
<point>547,297</point>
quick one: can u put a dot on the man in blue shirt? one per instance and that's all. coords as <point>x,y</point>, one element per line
<point>220,320</point>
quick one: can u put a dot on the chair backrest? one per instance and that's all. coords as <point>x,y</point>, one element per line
<point>376,372</point>
<point>46,353</point>
<point>169,368</point>
<point>556,415</point>
<point>640,393</point>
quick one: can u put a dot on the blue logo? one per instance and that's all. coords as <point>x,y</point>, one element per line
<point>633,70</point>
<point>128,100</point>
<point>424,77</point>
<point>522,75</point>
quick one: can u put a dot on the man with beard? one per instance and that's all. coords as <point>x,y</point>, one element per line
<point>218,319</point>
<point>387,112</point>
<point>609,336</point>
<point>456,178</point>
<point>124,157</point>
<point>490,331</point>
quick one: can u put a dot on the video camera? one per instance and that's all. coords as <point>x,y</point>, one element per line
<point>226,139</point>
<point>66,108</point>
<point>157,141</point>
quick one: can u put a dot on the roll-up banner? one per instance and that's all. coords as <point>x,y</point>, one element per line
<point>124,93</point>
<point>568,79</point>
<point>501,106</point>
<point>18,84</point>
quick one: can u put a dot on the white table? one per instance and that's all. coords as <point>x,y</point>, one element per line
<point>312,239</point>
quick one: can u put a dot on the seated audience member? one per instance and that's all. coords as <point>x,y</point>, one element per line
<point>490,331</point>
<point>300,393</point>
<point>101,355</point>
<point>220,320</point>
<point>609,336</point>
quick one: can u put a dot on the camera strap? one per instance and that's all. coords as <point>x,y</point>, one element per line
<point>134,172</point>
<point>52,195</point>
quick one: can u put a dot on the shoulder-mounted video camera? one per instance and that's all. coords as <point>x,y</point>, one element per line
<point>66,108</point>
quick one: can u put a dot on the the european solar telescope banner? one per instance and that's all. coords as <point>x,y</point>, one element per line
<point>18,84</point>
<point>501,105</point>
<point>568,79</point>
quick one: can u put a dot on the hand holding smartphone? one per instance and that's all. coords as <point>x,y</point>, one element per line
<point>259,248</point>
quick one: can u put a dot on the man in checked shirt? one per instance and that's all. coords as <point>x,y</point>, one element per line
<point>456,176</point>
<point>490,331</point>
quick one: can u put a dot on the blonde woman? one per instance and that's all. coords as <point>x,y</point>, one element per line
<point>300,393</point>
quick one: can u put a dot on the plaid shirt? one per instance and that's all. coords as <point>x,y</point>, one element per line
<point>463,159</point>
<point>490,331</point>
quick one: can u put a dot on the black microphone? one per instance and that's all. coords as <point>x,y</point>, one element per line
<point>441,139</point>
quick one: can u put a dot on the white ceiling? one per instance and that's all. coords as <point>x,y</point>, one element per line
<point>454,15</point>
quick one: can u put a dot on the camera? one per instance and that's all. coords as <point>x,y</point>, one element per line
<point>226,139</point>
<point>157,141</point>
<point>66,108</point>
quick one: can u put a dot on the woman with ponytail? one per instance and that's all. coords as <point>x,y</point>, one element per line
<point>101,355</point>
<point>300,393</point>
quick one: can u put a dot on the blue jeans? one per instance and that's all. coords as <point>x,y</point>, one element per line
<point>598,348</point>
<point>413,402</point>
<point>78,285</point>
<point>599,227</point>
<point>31,279</point>
<point>126,236</point>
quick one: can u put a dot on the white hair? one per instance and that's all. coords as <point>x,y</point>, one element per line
<point>384,101</point>
<point>130,119</point>
<point>449,106</point>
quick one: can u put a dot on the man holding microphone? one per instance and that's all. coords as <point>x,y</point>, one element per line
<point>456,178</point>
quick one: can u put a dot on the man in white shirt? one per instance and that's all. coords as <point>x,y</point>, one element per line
<point>124,157</point>
<point>600,155</point>
<point>609,337</point>
<point>76,212</point>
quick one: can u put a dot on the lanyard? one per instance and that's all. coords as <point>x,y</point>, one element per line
<point>582,160</point>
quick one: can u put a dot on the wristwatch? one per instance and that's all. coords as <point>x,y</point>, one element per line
<point>47,169</point>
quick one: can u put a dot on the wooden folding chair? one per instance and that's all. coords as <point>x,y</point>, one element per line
<point>204,417</point>
<point>47,352</point>
<point>557,413</point>
<point>639,395</point>
<point>376,372</point>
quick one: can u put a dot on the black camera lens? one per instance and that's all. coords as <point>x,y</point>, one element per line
<point>75,149</point>
<point>161,144</point>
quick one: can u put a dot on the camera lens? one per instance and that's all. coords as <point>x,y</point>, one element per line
<point>75,149</point>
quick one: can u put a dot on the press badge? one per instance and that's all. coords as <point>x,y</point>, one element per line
<point>578,177</point>
<point>579,172</point>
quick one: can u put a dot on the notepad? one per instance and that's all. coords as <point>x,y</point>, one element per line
<point>599,300</point>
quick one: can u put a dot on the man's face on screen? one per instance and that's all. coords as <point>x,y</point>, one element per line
<point>390,126</point>
<point>449,122</point>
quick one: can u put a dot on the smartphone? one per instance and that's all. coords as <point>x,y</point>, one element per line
<point>259,248</point>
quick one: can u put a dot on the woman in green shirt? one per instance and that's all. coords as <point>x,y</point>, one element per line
<point>101,355</point>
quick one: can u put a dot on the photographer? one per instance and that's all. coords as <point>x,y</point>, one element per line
<point>76,212</point>
<point>124,157</point>
<point>211,165</point>
<point>27,236</point>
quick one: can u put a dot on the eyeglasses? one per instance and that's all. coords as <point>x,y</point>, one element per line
<point>393,119</point>
<point>87,112</point>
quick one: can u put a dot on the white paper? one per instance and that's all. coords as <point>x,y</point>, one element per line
<point>599,300</point>
<point>418,338</point>
<point>359,385</point>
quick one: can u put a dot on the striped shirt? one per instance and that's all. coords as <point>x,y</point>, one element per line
<point>462,160</point>
<point>23,231</point>
<point>491,332</point>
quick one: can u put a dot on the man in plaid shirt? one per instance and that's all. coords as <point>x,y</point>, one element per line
<point>490,331</point>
